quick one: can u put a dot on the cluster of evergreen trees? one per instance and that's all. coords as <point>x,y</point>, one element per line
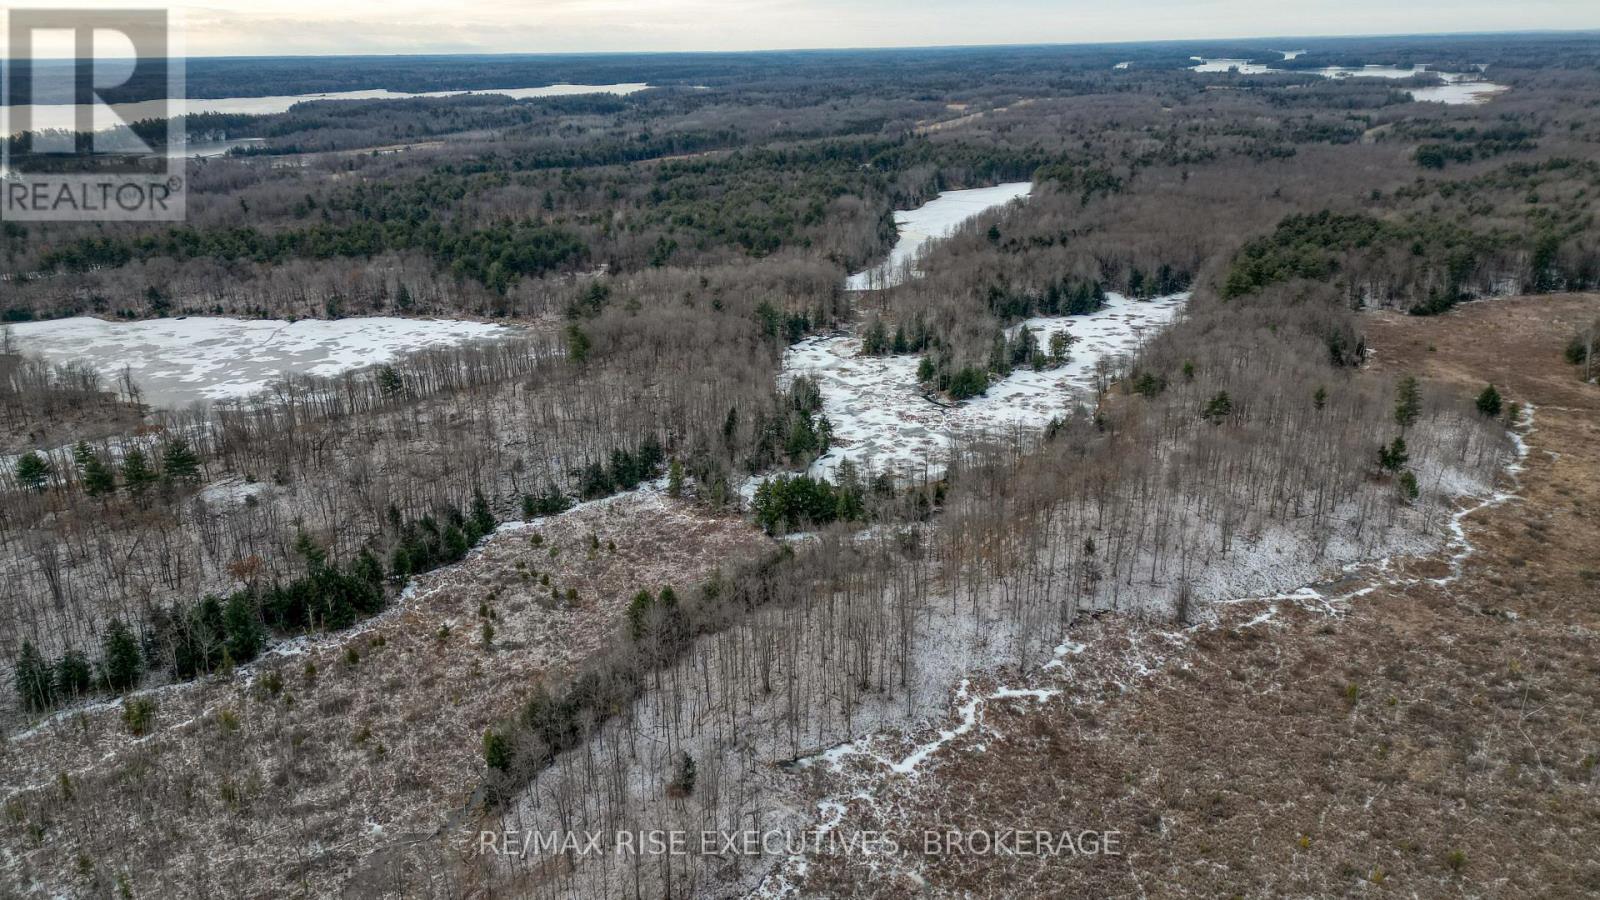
<point>876,340</point>
<point>423,544</point>
<point>1064,296</point>
<point>216,633</point>
<point>622,472</point>
<point>41,684</point>
<point>496,255</point>
<point>136,475</point>
<point>792,501</point>
<point>797,432</point>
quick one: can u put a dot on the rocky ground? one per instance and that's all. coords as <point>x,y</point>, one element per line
<point>1418,728</point>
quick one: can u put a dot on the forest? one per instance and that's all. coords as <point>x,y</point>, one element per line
<point>600,570</point>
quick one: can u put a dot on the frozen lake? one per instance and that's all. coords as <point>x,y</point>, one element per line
<point>938,218</point>
<point>62,115</point>
<point>1458,89</point>
<point>881,419</point>
<point>177,362</point>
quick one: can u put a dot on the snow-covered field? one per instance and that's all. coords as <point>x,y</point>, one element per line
<point>881,419</point>
<point>937,218</point>
<point>180,361</point>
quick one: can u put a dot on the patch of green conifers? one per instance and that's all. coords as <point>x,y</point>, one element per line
<point>1322,246</point>
<point>495,255</point>
<point>216,633</point>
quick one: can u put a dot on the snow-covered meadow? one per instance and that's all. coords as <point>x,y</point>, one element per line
<point>938,218</point>
<point>883,421</point>
<point>179,361</point>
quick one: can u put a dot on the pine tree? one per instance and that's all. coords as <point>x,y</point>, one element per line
<point>32,678</point>
<point>121,663</point>
<point>1407,402</point>
<point>33,471</point>
<point>81,454</point>
<point>1407,486</point>
<point>675,479</point>
<point>875,342</point>
<point>1489,402</point>
<point>578,343</point>
<point>179,462</point>
<point>390,384</point>
<point>73,675</point>
<point>1394,457</point>
<point>136,473</point>
<point>497,751</point>
<point>482,519</point>
<point>98,479</point>
<point>1218,408</point>
<point>241,623</point>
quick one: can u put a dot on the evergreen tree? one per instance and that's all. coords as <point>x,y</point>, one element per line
<point>1393,458</point>
<point>1489,402</point>
<point>33,471</point>
<point>1407,485</point>
<point>241,622</point>
<point>121,663</point>
<point>390,384</point>
<point>875,342</point>
<point>497,751</point>
<point>1218,408</point>
<point>33,680</point>
<point>578,343</point>
<point>1059,342</point>
<point>1407,402</point>
<point>455,543</point>
<point>98,479</point>
<point>482,519</point>
<point>1319,399</point>
<point>675,479</point>
<point>683,782</point>
<point>179,462</point>
<point>73,675</point>
<point>136,473</point>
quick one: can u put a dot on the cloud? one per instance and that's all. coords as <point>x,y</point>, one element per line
<point>504,26</point>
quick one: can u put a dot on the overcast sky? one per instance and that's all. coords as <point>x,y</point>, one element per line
<point>274,27</point>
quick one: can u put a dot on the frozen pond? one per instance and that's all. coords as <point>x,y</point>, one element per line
<point>938,218</point>
<point>61,115</point>
<point>177,362</point>
<point>1458,93</point>
<point>1242,66</point>
<point>1458,89</point>
<point>881,419</point>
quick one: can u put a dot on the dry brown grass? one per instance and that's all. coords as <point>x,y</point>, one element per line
<point>357,779</point>
<point>1431,740</point>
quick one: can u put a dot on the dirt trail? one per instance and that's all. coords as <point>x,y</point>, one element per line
<point>1427,739</point>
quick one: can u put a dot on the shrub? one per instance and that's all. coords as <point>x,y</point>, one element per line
<point>138,713</point>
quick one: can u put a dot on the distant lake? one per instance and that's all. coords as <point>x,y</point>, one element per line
<point>1458,89</point>
<point>61,115</point>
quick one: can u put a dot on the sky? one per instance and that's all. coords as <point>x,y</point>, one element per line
<point>291,27</point>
